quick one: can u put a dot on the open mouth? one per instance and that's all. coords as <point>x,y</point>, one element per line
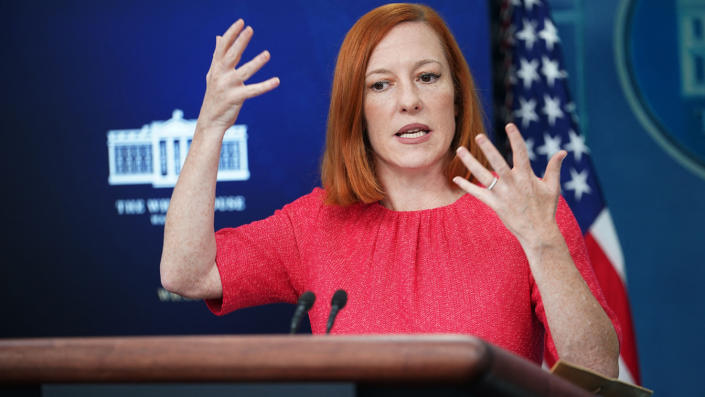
<point>412,133</point>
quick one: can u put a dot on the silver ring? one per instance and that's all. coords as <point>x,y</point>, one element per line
<point>494,182</point>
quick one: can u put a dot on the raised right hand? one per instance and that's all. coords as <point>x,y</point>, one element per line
<point>226,90</point>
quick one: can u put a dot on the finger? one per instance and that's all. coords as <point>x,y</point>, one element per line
<point>232,57</point>
<point>478,192</point>
<point>228,38</point>
<point>247,70</point>
<point>481,173</point>
<point>492,154</point>
<point>520,154</point>
<point>552,176</point>
<point>253,90</point>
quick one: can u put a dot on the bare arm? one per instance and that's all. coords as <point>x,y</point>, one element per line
<point>581,330</point>
<point>188,256</point>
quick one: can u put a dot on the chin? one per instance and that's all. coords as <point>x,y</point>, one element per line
<point>414,161</point>
<point>416,164</point>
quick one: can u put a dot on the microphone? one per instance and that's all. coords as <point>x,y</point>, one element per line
<point>305,303</point>
<point>340,298</point>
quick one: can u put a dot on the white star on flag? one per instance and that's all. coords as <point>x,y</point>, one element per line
<point>535,37</point>
<point>549,34</point>
<point>526,111</point>
<point>571,109</point>
<point>576,145</point>
<point>527,72</point>
<point>551,145</point>
<point>551,71</point>
<point>552,109</point>
<point>578,183</point>
<point>528,33</point>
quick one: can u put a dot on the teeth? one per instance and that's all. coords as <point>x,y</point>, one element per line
<point>410,134</point>
<point>413,133</point>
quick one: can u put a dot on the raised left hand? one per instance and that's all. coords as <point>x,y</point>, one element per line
<point>525,203</point>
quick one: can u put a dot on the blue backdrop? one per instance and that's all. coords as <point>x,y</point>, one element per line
<point>74,70</point>
<point>644,126</point>
<point>82,256</point>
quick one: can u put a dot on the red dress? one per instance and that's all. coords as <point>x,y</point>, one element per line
<point>453,269</point>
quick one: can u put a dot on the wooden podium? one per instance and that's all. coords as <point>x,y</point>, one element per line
<point>384,365</point>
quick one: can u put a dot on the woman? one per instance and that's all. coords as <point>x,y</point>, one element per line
<point>393,225</point>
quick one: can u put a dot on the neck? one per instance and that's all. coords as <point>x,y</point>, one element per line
<point>413,190</point>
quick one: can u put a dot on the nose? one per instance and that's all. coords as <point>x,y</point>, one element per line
<point>409,98</point>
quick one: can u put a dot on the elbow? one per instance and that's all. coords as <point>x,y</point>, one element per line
<point>176,285</point>
<point>172,278</point>
<point>181,279</point>
<point>167,276</point>
<point>185,268</point>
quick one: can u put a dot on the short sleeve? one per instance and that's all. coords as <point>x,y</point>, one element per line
<point>257,263</point>
<point>576,244</point>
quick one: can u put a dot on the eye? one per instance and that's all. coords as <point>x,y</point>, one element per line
<point>379,85</point>
<point>428,77</point>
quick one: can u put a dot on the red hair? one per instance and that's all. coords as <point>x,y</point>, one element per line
<point>347,169</point>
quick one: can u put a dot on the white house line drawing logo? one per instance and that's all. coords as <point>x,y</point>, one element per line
<point>156,152</point>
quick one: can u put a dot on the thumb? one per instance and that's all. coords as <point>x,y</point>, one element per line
<point>552,176</point>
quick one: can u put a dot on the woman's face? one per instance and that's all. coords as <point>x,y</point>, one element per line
<point>409,101</point>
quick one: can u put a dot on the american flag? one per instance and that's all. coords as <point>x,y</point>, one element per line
<point>534,95</point>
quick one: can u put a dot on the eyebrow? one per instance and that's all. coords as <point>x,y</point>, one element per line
<point>416,65</point>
